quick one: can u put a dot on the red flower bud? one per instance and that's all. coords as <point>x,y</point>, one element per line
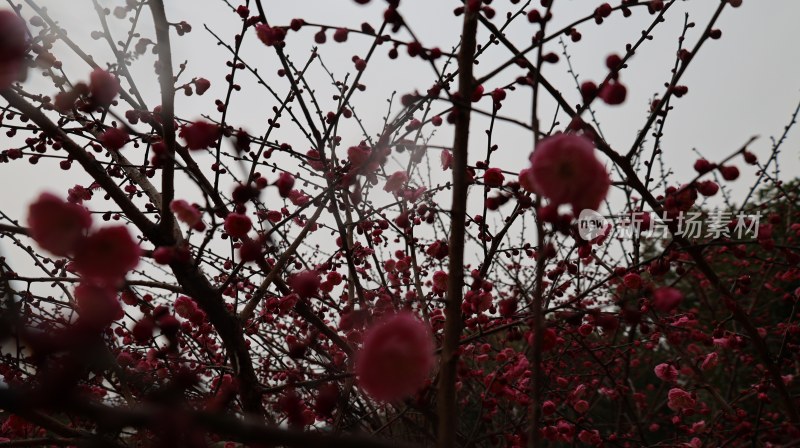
<point>613,93</point>
<point>340,35</point>
<point>285,183</point>
<point>201,85</point>
<point>703,166</point>
<point>729,172</point>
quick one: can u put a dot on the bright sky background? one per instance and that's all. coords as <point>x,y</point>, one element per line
<point>745,84</point>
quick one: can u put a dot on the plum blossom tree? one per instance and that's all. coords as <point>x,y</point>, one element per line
<point>209,283</point>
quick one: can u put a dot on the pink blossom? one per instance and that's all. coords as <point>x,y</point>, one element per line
<point>57,226</point>
<point>493,177</point>
<point>305,283</point>
<point>187,214</point>
<point>396,181</point>
<point>666,299</point>
<point>710,361</point>
<point>97,305</point>
<point>114,138</point>
<point>200,135</point>
<point>678,399</point>
<point>666,372</point>
<point>103,86</point>
<point>565,170</point>
<point>107,255</point>
<point>237,225</point>
<point>396,358</point>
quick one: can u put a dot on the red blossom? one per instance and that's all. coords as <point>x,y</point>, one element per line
<point>285,183</point>
<point>13,47</point>
<point>270,35</point>
<point>396,181</point>
<point>565,170</point>
<point>710,361</point>
<point>632,280</point>
<point>104,87</point>
<point>613,93</point>
<point>396,358</point>
<point>187,214</point>
<point>493,177</point>
<point>447,159</point>
<point>666,372</point>
<point>703,166</point>
<point>498,95</point>
<point>679,399</point>
<point>340,35</point>
<point>237,225</point>
<point>666,299</point>
<point>163,255</point>
<point>57,226</point>
<point>97,304</point>
<point>250,251</point>
<point>440,280</point>
<point>200,135</point>
<point>438,250</point>
<point>107,255</point>
<point>201,85</point>
<point>185,307</point>
<point>114,138</point>
<point>707,188</point>
<point>305,283</point>
<point>729,172</point>
<point>526,180</point>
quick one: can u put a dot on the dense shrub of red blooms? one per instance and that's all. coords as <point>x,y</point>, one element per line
<point>180,300</point>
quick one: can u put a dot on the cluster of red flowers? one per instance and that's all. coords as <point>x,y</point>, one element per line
<point>102,257</point>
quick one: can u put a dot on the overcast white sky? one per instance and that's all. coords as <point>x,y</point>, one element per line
<point>745,84</point>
